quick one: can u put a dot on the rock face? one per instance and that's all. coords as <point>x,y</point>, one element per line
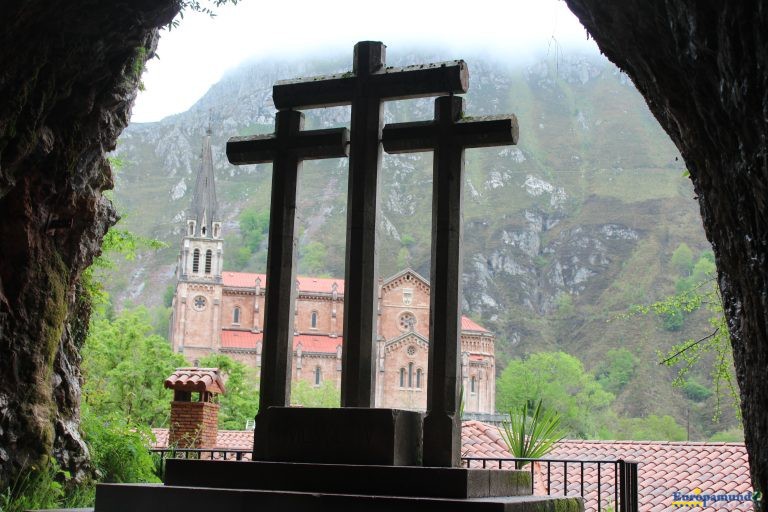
<point>702,72</point>
<point>69,77</point>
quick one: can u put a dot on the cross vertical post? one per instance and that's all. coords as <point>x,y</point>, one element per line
<point>365,88</point>
<point>448,136</point>
<point>287,148</point>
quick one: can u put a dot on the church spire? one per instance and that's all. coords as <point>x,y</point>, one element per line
<point>204,210</point>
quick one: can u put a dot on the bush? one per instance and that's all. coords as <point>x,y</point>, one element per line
<point>119,450</point>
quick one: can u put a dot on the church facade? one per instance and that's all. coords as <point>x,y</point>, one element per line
<point>217,311</point>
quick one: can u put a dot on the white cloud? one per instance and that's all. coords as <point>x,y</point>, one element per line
<point>195,55</point>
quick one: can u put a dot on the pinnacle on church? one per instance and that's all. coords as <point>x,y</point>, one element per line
<point>204,208</point>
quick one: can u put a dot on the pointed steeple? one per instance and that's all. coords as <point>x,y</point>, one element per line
<point>204,210</point>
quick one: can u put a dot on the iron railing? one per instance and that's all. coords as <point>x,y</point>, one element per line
<point>197,453</point>
<point>605,485</point>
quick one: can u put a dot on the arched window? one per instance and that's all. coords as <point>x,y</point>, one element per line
<point>236,315</point>
<point>191,228</point>
<point>203,231</point>
<point>472,385</point>
<point>410,375</point>
<point>317,376</point>
<point>208,258</point>
<point>402,377</point>
<point>196,261</point>
<point>313,320</point>
<point>418,378</point>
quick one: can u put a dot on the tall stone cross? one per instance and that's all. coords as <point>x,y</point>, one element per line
<point>365,88</point>
<point>286,149</point>
<point>448,135</point>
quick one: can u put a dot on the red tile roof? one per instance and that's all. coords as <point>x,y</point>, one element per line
<point>309,342</point>
<point>665,467</point>
<point>469,325</point>
<point>196,379</point>
<point>239,339</point>
<point>306,284</point>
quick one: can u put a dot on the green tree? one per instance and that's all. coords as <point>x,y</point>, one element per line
<point>561,382</point>
<point>254,225</point>
<point>682,259</point>
<point>324,395</point>
<point>125,365</point>
<point>240,403</point>
<point>616,369</point>
<point>313,258</point>
<point>650,428</point>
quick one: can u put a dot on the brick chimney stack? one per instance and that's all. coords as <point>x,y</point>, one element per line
<point>194,424</point>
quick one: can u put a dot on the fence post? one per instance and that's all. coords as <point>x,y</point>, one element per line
<point>628,499</point>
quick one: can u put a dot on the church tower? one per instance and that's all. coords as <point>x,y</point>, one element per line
<point>195,322</point>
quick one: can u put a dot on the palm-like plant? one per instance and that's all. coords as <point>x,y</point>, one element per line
<point>531,437</point>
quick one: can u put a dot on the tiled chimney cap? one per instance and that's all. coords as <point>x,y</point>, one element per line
<point>196,379</point>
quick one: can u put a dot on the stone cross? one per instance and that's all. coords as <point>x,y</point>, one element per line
<point>448,136</point>
<point>286,149</point>
<point>365,88</point>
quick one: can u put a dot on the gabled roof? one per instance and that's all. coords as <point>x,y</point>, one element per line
<point>196,379</point>
<point>403,272</point>
<point>407,335</point>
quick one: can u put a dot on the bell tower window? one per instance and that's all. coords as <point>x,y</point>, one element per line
<point>313,320</point>
<point>196,260</point>
<point>208,258</point>
<point>236,315</point>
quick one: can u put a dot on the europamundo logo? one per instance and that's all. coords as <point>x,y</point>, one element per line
<point>697,498</point>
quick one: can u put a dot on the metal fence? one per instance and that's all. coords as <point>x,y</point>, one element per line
<point>605,485</point>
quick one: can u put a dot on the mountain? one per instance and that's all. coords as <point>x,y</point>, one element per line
<point>563,233</point>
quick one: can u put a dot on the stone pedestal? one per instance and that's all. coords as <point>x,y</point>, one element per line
<point>386,437</point>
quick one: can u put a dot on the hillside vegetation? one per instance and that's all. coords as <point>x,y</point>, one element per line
<point>563,233</point>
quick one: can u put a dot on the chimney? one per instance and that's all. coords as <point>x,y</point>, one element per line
<point>194,424</point>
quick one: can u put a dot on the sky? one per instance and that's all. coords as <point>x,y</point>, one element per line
<point>196,54</point>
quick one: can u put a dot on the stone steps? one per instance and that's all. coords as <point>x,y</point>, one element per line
<point>165,498</point>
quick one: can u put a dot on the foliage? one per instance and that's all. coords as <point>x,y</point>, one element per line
<point>125,365</point>
<point>168,294</point>
<point>616,369</point>
<point>116,241</point>
<point>733,435</point>
<point>44,487</point>
<point>240,403</point>
<point>313,258</point>
<point>689,354</point>
<point>562,384</point>
<point>206,7</point>
<point>696,391</point>
<point>682,259</point>
<point>531,437</point>
<point>119,448</point>
<point>254,225</point>
<point>650,428</point>
<point>324,395</point>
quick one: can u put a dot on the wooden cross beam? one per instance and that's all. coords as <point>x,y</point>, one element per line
<point>448,136</point>
<point>365,88</point>
<point>286,149</point>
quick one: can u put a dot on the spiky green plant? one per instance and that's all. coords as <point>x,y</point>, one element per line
<point>531,437</point>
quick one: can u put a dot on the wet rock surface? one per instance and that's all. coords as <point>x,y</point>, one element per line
<point>69,77</point>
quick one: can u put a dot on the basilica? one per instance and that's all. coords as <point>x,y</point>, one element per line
<point>218,311</point>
